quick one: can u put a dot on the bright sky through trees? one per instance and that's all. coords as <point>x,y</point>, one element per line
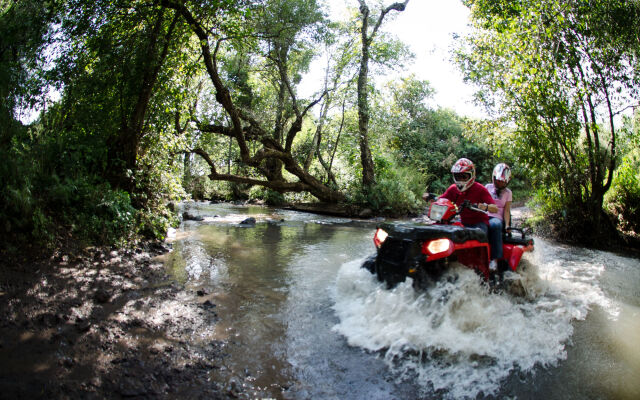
<point>427,27</point>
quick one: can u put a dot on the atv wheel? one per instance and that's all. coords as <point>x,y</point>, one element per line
<point>391,278</point>
<point>370,263</point>
<point>427,274</point>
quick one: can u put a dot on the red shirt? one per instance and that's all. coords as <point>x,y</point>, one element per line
<point>477,193</point>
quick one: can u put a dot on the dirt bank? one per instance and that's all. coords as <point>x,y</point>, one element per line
<point>105,324</point>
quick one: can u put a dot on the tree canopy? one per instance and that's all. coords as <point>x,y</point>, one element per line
<point>161,99</point>
<point>561,73</point>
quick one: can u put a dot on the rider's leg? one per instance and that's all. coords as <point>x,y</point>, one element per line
<point>495,239</point>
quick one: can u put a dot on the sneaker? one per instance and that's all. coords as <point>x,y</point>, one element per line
<point>493,265</point>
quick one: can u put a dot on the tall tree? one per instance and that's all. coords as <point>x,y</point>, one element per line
<point>367,36</point>
<point>113,66</point>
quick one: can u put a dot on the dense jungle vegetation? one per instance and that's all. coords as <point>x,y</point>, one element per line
<point>146,102</point>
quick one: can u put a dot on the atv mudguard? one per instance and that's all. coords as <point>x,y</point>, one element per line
<point>514,247</point>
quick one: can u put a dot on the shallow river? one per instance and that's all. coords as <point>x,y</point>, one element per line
<point>302,320</point>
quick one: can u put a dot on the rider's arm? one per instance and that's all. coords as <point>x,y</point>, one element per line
<point>426,196</point>
<point>488,204</point>
<point>488,207</point>
<point>507,214</point>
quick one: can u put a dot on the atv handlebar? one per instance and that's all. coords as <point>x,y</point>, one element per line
<point>474,207</point>
<point>426,196</point>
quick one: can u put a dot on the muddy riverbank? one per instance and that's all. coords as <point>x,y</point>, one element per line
<point>105,324</point>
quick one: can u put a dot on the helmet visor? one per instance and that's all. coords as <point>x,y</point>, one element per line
<point>461,176</point>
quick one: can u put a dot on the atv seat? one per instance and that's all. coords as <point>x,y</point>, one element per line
<point>518,239</point>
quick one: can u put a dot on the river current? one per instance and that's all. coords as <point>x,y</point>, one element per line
<point>301,320</point>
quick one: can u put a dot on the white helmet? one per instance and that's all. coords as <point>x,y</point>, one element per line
<point>501,172</point>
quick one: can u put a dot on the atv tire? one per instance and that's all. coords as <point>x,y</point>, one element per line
<point>391,278</point>
<point>370,263</point>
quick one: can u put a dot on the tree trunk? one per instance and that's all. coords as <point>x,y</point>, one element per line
<point>123,151</point>
<point>368,171</point>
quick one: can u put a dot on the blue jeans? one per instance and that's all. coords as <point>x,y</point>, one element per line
<point>495,237</point>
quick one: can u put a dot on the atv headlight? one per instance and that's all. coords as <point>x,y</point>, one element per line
<point>379,237</point>
<point>437,246</point>
<point>437,211</point>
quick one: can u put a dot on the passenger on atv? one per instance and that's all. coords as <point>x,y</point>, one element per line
<point>465,188</point>
<point>500,221</point>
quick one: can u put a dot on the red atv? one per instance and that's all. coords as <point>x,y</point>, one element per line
<point>423,252</point>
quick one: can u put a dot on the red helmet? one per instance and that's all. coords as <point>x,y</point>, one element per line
<point>464,174</point>
<point>501,172</point>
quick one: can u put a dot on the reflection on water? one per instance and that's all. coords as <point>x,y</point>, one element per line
<point>303,320</point>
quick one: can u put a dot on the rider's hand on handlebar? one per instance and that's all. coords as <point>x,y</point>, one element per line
<point>426,196</point>
<point>481,207</point>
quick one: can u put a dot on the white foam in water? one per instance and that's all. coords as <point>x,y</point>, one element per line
<point>195,257</point>
<point>459,338</point>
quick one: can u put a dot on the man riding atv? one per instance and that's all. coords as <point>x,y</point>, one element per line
<point>465,188</point>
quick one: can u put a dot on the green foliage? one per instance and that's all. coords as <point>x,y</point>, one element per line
<point>623,200</point>
<point>558,72</point>
<point>107,216</point>
<point>430,141</point>
<point>24,33</point>
<point>496,144</point>
<point>39,207</point>
<point>397,192</point>
<point>154,222</point>
<point>270,197</point>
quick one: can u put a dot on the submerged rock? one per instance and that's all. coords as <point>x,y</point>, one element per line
<point>248,221</point>
<point>190,217</point>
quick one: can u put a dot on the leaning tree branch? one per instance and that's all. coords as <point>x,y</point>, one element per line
<point>297,124</point>
<point>282,186</point>
<point>223,96</point>
<point>395,6</point>
<point>364,9</point>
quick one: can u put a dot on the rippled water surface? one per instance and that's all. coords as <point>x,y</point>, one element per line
<point>302,320</point>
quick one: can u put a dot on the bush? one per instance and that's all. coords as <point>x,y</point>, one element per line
<point>623,199</point>
<point>397,192</point>
<point>270,197</point>
<point>111,219</point>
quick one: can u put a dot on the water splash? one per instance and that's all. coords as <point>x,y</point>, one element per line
<point>459,338</point>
